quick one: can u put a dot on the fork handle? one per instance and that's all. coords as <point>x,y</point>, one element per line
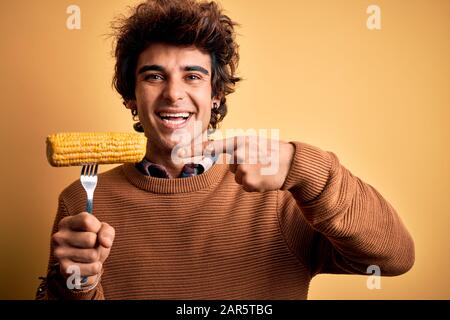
<point>89,205</point>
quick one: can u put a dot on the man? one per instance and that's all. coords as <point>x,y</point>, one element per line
<point>169,229</point>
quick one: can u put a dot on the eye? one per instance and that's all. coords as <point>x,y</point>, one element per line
<point>153,77</point>
<point>193,77</point>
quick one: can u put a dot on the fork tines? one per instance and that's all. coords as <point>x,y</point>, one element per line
<point>89,169</point>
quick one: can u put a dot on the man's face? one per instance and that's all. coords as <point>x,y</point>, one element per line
<point>173,90</point>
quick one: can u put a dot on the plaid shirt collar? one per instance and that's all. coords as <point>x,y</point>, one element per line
<point>149,168</point>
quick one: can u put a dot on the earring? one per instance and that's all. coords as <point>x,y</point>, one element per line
<point>215,105</point>
<point>138,125</point>
<point>134,113</point>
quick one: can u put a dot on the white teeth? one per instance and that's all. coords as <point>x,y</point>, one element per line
<point>174,121</point>
<point>181,114</point>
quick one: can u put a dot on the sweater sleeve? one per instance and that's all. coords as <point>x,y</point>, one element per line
<point>53,286</point>
<point>350,226</point>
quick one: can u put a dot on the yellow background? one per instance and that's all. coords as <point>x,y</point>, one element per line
<point>378,99</point>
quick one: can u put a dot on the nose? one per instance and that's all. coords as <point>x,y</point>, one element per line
<point>174,91</point>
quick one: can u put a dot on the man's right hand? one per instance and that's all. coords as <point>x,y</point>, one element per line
<point>82,240</point>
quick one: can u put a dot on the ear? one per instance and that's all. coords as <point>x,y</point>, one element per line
<point>130,104</point>
<point>215,101</point>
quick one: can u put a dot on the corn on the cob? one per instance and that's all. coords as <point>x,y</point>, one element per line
<point>78,148</point>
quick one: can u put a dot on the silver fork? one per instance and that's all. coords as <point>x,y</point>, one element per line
<point>88,180</point>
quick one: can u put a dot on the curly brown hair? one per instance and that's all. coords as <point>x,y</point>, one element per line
<point>182,23</point>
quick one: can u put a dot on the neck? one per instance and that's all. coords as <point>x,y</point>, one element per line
<point>163,157</point>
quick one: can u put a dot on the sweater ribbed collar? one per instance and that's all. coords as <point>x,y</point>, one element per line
<point>177,185</point>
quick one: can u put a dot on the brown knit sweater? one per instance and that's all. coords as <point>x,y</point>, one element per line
<point>204,237</point>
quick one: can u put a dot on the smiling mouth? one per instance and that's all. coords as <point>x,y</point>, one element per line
<point>173,120</point>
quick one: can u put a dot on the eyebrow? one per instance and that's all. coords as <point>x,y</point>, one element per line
<point>155,67</point>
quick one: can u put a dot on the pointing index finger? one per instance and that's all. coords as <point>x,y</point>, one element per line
<point>209,148</point>
<point>227,146</point>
